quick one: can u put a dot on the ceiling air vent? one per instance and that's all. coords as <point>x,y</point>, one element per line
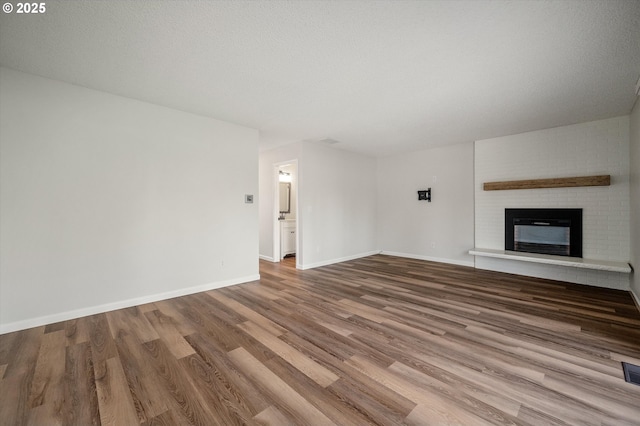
<point>631,373</point>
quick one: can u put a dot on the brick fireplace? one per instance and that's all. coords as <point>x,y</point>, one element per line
<point>594,148</point>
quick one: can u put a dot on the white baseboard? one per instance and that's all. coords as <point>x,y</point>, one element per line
<point>267,258</point>
<point>338,260</point>
<point>83,312</point>
<point>429,258</point>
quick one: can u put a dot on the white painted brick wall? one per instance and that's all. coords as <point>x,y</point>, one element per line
<point>594,148</point>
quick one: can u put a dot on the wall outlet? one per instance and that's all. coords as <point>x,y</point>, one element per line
<point>433,245</point>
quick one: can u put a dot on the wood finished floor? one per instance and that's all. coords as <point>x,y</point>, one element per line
<point>378,340</point>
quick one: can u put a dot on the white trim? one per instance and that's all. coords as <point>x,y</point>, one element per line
<point>267,258</point>
<point>276,213</point>
<point>338,260</point>
<point>83,312</point>
<point>429,258</point>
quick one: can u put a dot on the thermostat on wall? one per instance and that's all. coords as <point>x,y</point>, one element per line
<point>248,198</point>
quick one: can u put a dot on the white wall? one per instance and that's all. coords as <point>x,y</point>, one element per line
<point>635,198</point>
<point>594,148</point>
<point>337,205</point>
<point>441,230</point>
<point>106,202</point>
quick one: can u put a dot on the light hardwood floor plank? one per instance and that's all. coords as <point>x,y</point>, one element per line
<point>294,403</point>
<point>114,399</point>
<point>80,394</point>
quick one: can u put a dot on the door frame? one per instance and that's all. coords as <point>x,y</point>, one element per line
<point>276,209</point>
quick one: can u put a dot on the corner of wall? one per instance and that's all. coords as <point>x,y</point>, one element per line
<point>634,196</point>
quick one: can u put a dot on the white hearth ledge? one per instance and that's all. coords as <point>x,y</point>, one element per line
<point>573,262</point>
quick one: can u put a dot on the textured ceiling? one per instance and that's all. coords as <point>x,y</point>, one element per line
<point>378,76</point>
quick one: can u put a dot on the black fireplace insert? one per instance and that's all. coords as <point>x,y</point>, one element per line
<point>545,231</point>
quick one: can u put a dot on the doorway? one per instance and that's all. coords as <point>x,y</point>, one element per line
<point>286,213</point>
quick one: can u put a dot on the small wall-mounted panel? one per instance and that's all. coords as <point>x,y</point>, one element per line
<point>424,195</point>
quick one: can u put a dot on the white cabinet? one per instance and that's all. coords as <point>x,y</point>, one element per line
<point>287,237</point>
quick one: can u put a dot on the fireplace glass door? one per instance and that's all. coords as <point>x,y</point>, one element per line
<point>546,237</point>
<point>544,231</point>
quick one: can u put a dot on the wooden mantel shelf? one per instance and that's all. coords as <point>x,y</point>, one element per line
<point>568,182</point>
